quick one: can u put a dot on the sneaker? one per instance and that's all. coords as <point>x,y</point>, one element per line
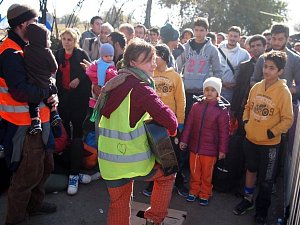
<point>84,178</point>
<point>150,222</point>
<point>182,191</point>
<point>55,119</point>
<point>191,198</point>
<point>35,127</point>
<point>45,208</point>
<point>243,207</point>
<point>73,184</point>
<point>147,193</point>
<point>260,220</point>
<point>203,201</point>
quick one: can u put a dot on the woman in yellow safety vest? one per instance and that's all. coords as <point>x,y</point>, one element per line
<point>124,155</point>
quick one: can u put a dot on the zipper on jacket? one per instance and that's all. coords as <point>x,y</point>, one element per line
<point>201,126</point>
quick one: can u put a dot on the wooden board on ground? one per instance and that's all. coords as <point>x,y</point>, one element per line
<point>175,217</point>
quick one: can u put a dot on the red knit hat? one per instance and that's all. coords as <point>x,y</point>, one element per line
<point>17,14</point>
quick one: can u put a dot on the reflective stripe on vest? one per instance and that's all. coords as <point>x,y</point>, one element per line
<point>11,110</point>
<point>121,135</point>
<point>123,152</point>
<point>125,158</point>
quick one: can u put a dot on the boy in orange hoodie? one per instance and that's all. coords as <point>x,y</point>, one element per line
<point>268,113</point>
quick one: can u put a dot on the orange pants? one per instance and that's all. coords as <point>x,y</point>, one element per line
<point>120,209</point>
<point>201,171</point>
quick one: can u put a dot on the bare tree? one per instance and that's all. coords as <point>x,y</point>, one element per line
<point>147,22</point>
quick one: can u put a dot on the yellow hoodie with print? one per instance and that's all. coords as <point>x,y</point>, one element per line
<point>170,89</point>
<point>268,109</point>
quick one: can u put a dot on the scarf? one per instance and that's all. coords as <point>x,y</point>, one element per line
<point>102,66</point>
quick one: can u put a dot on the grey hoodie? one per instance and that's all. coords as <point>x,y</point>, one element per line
<point>196,67</point>
<point>235,56</point>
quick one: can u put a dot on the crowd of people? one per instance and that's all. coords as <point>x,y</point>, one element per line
<point>100,87</point>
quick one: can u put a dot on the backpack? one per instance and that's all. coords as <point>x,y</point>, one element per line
<point>90,157</point>
<point>62,141</point>
<point>228,172</point>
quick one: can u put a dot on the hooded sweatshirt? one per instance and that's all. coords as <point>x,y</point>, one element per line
<point>169,87</point>
<point>269,109</point>
<point>235,56</point>
<point>39,60</point>
<point>196,66</point>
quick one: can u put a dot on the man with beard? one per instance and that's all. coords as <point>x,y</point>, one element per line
<point>232,56</point>
<point>280,35</point>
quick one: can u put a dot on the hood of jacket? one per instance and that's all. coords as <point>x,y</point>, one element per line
<point>37,35</point>
<point>192,43</point>
<point>221,102</point>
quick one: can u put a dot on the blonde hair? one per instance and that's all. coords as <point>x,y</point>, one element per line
<point>74,34</point>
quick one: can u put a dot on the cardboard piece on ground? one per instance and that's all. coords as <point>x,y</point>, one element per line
<point>174,217</point>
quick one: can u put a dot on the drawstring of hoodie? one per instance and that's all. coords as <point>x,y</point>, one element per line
<point>195,162</point>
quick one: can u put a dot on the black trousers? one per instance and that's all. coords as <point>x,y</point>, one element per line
<point>262,159</point>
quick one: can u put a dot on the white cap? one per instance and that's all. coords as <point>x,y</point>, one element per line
<point>214,82</point>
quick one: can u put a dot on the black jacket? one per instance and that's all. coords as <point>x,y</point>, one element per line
<point>78,97</point>
<point>13,71</point>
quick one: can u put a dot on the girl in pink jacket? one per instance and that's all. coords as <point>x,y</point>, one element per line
<point>206,133</point>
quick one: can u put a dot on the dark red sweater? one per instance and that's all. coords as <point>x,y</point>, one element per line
<point>143,99</point>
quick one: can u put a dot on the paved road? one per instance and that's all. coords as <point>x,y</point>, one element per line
<point>89,207</point>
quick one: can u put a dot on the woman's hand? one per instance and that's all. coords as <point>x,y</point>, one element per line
<point>85,64</point>
<point>74,83</point>
<point>54,100</point>
<point>96,90</point>
<point>182,145</point>
<point>222,155</point>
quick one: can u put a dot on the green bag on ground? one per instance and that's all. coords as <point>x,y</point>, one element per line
<point>56,182</point>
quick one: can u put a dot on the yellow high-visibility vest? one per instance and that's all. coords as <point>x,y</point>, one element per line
<point>123,152</point>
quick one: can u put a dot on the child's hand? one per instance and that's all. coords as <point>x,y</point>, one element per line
<point>222,155</point>
<point>182,146</point>
<point>96,90</point>
<point>74,83</point>
<point>85,64</point>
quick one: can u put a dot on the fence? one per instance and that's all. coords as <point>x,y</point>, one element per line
<point>292,173</point>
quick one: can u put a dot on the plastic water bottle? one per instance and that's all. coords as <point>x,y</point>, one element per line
<point>279,221</point>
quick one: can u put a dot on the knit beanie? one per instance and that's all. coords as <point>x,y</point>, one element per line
<point>188,30</point>
<point>106,49</point>
<point>163,51</point>
<point>169,33</point>
<point>214,82</point>
<point>17,14</point>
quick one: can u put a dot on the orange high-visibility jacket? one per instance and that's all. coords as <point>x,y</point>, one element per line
<point>11,110</point>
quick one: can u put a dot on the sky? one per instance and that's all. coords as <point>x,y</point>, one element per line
<point>90,8</point>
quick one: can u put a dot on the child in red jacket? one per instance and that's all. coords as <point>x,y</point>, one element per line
<point>207,136</point>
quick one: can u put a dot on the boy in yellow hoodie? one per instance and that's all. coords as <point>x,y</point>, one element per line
<point>268,113</point>
<point>169,87</point>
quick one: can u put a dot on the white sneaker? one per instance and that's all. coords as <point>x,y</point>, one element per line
<point>73,185</point>
<point>84,178</point>
<point>96,176</point>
